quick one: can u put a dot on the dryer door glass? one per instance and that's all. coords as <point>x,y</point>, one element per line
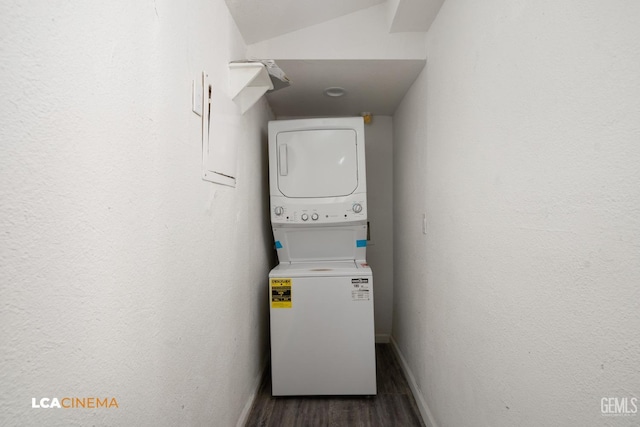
<point>317,163</point>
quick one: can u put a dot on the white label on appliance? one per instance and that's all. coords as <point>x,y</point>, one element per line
<point>360,291</point>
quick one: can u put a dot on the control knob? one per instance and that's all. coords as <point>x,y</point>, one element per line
<point>357,208</point>
<point>278,210</point>
<point>314,216</point>
<point>305,217</point>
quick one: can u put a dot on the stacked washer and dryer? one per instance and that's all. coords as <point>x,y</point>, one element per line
<point>321,293</point>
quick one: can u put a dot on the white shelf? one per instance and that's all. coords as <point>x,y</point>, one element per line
<point>248,81</point>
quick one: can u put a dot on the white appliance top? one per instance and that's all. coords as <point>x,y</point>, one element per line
<point>321,269</point>
<point>316,243</point>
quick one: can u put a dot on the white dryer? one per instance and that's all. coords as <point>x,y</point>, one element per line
<point>317,181</point>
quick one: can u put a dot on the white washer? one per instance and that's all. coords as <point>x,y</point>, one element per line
<point>322,329</point>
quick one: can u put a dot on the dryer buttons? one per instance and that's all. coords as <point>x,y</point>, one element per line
<point>357,208</point>
<point>278,210</point>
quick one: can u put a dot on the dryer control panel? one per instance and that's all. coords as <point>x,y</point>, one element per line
<point>286,212</point>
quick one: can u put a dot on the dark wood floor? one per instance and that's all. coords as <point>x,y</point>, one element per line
<point>393,406</point>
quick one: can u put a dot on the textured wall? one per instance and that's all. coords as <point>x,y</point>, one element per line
<point>122,273</point>
<point>521,306</point>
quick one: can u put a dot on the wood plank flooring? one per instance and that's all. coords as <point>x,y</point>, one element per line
<point>392,406</point>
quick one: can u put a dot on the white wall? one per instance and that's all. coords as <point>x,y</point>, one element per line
<point>360,35</point>
<point>379,154</point>
<point>521,305</point>
<point>122,273</point>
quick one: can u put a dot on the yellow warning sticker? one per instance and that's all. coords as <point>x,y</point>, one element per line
<point>280,293</point>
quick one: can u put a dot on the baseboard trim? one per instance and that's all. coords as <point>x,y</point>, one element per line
<point>427,417</point>
<point>257,382</point>
<point>382,338</point>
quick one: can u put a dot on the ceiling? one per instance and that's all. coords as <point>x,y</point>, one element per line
<point>375,86</point>
<point>260,20</point>
<point>292,32</point>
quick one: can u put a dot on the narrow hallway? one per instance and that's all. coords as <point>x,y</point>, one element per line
<point>503,209</point>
